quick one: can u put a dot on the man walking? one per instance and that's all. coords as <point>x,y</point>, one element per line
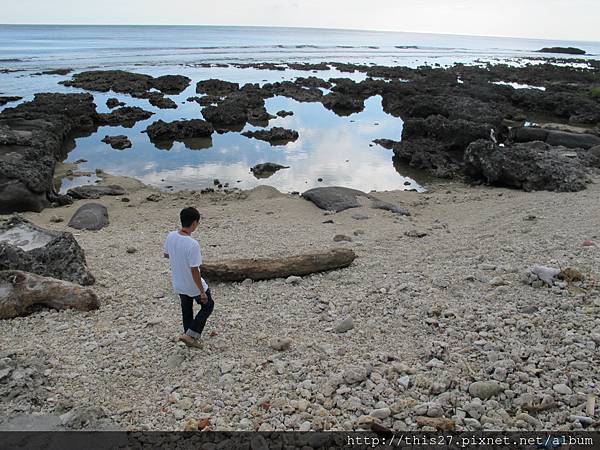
<point>185,259</point>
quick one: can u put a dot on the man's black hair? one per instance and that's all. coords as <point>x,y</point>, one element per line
<point>189,216</point>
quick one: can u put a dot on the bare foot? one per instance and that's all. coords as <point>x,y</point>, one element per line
<point>190,341</point>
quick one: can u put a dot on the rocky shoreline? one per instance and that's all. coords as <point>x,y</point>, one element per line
<point>468,307</point>
<point>449,115</point>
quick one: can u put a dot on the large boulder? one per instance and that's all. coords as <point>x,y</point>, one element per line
<point>529,166</point>
<point>337,198</point>
<point>91,216</point>
<point>195,133</point>
<point>25,292</point>
<point>25,246</point>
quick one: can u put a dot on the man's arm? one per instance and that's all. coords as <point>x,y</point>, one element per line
<point>198,280</point>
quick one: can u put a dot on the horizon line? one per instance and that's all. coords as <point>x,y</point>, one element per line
<point>293,27</point>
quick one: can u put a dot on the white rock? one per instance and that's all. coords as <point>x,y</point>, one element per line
<point>562,389</point>
<point>381,413</point>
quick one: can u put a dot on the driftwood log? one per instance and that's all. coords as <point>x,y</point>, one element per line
<point>22,293</point>
<point>264,268</point>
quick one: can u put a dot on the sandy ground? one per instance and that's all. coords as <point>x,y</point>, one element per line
<point>431,315</point>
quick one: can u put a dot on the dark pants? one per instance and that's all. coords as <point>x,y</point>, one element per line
<point>193,326</point>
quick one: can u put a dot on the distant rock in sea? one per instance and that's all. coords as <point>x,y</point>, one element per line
<point>565,50</point>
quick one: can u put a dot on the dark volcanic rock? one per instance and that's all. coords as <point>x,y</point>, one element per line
<point>295,91</point>
<point>227,115</point>
<point>32,139</point>
<point>265,170</point>
<point>119,142</point>
<point>284,113</point>
<point>7,99</point>
<point>95,192</point>
<point>207,100</point>
<point>555,138</point>
<point>275,136</point>
<point>216,87</point>
<point>564,50</point>
<point>386,143</point>
<point>114,102</point>
<point>158,99</point>
<point>529,166</point>
<point>171,84</point>
<point>195,133</point>
<point>179,130</point>
<point>430,155</point>
<point>27,247</point>
<point>342,105</point>
<point>111,80</point>
<point>126,116</point>
<point>91,216</point>
<point>127,82</point>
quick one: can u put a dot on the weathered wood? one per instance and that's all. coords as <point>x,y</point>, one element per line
<point>264,268</point>
<point>21,293</point>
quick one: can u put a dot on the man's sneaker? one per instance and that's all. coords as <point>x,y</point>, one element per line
<point>190,341</point>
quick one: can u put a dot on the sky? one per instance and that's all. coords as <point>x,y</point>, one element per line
<point>544,19</point>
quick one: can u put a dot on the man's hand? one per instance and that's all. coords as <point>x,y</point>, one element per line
<point>203,298</point>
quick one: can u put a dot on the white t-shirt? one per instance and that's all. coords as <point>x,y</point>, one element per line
<point>184,253</point>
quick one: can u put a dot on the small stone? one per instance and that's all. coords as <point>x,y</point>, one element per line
<point>56,219</point>
<point>280,344</point>
<point>434,362</point>
<point>404,381</point>
<point>358,232</point>
<point>562,389</point>
<point>131,250</point>
<point>342,238</point>
<point>382,413</point>
<point>485,389</point>
<point>588,243</point>
<point>153,198</point>
<point>345,325</point>
<point>305,426</point>
<point>292,279</point>
<point>125,200</point>
<point>355,374</point>
<point>415,233</point>
<point>359,216</point>
<point>486,267</point>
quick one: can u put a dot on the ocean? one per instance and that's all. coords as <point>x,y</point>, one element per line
<point>331,150</point>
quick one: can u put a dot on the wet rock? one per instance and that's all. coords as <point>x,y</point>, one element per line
<point>95,192</point>
<point>529,166</point>
<point>342,105</point>
<point>127,116</point>
<point>91,216</point>
<point>27,247</point>
<point>274,136</point>
<point>8,99</point>
<point>158,99</point>
<point>119,142</point>
<point>127,82</point>
<point>265,170</point>
<point>284,113</point>
<point>180,130</point>
<point>216,87</point>
<point>114,102</point>
<point>25,292</point>
<point>386,143</point>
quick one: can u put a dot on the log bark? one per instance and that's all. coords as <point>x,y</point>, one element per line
<point>264,268</point>
<point>22,293</point>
